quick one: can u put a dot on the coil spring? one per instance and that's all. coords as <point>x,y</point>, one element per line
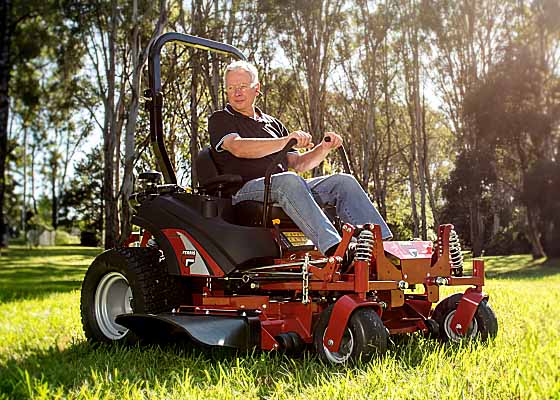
<point>364,246</point>
<point>455,254</point>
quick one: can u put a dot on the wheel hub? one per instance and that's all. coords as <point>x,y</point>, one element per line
<point>113,297</point>
<point>345,350</point>
<point>472,330</point>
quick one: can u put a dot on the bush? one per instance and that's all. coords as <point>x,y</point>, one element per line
<point>89,238</point>
<point>506,243</point>
<point>63,238</point>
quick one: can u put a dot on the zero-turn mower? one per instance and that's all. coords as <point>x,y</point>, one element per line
<point>245,276</point>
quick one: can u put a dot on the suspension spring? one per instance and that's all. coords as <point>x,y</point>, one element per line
<point>305,280</point>
<point>455,254</point>
<point>364,247</point>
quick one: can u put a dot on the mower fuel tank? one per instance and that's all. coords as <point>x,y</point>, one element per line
<point>412,259</point>
<point>234,331</point>
<point>412,249</point>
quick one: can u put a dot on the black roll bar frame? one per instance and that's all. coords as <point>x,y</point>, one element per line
<point>154,95</point>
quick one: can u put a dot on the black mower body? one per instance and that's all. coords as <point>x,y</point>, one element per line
<point>208,221</point>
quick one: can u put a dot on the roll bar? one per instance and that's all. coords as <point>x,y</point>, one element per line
<point>154,95</point>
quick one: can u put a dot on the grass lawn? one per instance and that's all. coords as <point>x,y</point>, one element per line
<point>43,353</point>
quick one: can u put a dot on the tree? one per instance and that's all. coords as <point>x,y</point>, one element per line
<point>509,113</point>
<point>82,202</point>
<point>309,31</point>
<point>467,37</point>
<point>21,21</point>
<point>117,49</point>
<point>35,41</point>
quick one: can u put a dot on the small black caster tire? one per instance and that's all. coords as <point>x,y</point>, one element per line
<point>365,337</point>
<point>286,343</point>
<point>484,325</point>
<point>433,329</point>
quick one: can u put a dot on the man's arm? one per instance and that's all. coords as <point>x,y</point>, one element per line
<point>262,147</point>
<point>309,160</point>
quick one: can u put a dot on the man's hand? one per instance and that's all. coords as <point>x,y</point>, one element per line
<point>304,139</point>
<point>334,143</point>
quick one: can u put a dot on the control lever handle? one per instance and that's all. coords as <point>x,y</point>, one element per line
<point>343,156</point>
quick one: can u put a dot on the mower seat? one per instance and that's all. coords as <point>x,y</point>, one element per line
<point>248,213</point>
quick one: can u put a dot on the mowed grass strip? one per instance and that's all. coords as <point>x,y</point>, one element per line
<point>43,353</point>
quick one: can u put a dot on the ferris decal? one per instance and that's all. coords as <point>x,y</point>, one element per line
<point>188,257</point>
<point>191,260</point>
<point>196,265</point>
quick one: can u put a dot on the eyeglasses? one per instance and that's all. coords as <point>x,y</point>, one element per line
<point>242,87</point>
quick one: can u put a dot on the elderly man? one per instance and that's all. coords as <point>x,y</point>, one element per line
<point>244,142</point>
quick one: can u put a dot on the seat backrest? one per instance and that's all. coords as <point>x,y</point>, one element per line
<point>205,166</point>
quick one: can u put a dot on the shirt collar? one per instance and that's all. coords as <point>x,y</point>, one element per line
<point>260,116</point>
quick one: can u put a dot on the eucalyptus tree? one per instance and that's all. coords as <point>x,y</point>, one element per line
<point>117,36</point>
<point>36,38</point>
<point>308,32</point>
<point>509,112</point>
<point>362,95</point>
<point>467,37</point>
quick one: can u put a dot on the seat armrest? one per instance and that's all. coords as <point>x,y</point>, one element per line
<point>227,183</point>
<point>226,179</point>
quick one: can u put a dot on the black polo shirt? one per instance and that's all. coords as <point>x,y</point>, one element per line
<point>230,122</point>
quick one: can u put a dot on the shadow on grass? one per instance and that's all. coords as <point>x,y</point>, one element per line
<point>36,273</point>
<point>116,369</point>
<point>521,267</point>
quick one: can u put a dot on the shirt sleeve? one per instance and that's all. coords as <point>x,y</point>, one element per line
<point>283,130</point>
<point>220,126</point>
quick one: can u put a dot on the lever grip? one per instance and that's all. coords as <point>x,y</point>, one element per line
<point>343,156</point>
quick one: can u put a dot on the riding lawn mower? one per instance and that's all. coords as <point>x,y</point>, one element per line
<point>244,276</point>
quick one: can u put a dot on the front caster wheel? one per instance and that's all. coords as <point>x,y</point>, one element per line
<point>483,326</point>
<point>365,336</point>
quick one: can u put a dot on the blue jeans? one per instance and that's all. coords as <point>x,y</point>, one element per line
<point>301,199</point>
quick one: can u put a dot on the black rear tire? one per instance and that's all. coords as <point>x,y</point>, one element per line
<point>121,281</point>
<point>365,337</point>
<point>484,325</point>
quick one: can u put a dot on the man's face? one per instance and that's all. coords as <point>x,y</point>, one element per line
<point>240,92</point>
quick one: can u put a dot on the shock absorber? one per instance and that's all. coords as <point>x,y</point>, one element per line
<point>362,260</point>
<point>364,246</point>
<point>455,254</point>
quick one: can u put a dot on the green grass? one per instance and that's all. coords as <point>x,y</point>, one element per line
<point>43,353</point>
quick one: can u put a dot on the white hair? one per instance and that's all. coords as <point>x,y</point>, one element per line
<point>243,66</point>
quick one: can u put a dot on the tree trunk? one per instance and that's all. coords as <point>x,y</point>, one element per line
<point>414,208</point>
<point>109,140</point>
<point>418,129</point>
<point>534,234</point>
<point>427,174</point>
<point>196,71</point>
<point>54,208</point>
<point>5,71</point>
<point>138,59</point>
<point>24,202</point>
<point>476,228</point>
<point>127,184</point>
<point>33,198</point>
